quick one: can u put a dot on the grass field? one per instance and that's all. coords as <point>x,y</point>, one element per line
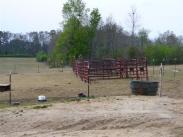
<point>20,65</point>
<point>28,84</point>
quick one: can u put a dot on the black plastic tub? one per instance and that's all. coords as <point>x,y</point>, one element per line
<point>149,88</point>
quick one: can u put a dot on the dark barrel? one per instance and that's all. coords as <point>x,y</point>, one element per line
<point>149,88</point>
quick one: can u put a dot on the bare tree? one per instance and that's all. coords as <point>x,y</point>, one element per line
<point>53,41</point>
<point>111,40</point>
<point>133,22</point>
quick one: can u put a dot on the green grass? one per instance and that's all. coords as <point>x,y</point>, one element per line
<point>19,65</point>
<point>2,106</point>
<point>37,105</point>
<point>92,96</point>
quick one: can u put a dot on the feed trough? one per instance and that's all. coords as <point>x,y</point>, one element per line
<point>149,88</point>
<point>5,87</point>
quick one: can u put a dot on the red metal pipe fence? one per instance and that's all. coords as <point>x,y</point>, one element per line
<point>111,69</point>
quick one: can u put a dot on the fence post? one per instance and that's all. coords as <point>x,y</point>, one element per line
<point>38,67</point>
<point>160,80</point>
<point>10,85</point>
<point>175,67</point>
<point>153,66</point>
<point>163,66</point>
<point>88,82</point>
<point>174,70</point>
<point>14,68</point>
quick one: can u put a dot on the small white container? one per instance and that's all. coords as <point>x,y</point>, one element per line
<point>41,98</point>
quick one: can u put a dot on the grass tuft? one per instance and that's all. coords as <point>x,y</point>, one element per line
<point>43,106</point>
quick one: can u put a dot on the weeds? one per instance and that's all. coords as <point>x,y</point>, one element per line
<point>92,96</point>
<point>17,112</point>
<point>43,106</point>
<point>118,99</point>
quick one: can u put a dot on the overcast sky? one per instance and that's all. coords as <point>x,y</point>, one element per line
<point>158,16</point>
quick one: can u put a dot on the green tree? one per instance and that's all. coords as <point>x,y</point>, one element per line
<point>59,59</point>
<point>81,42</point>
<point>53,57</point>
<point>143,36</point>
<point>75,10</point>
<point>176,54</point>
<point>95,18</point>
<point>74,13</point>
<point>132,52</point>
<point>78,30</point>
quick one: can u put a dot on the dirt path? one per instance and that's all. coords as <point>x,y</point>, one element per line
<point>132,116</point>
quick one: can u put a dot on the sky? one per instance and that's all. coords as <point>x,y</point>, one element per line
<point>157,16</point>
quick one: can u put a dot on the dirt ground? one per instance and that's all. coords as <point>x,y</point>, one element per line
<point>117,116</point>
<point>114,112</point>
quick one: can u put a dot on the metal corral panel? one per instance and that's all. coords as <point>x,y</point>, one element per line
<point>111,69</point>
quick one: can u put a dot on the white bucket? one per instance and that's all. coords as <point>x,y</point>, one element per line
<point>41,98</point>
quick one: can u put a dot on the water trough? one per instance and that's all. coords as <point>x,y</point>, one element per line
<point>149,88</point>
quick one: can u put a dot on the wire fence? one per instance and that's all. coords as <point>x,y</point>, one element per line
<point>172,61</point>
<point>29,65</point>
<point>21,67</point>
<point>167,70</point>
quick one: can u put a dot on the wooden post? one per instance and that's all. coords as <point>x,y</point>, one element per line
<point>62,67</point>
<point>175,67</point>
<point>163,66</point>
<point>153,66</point>
<point>14,68</point>
<point>160,92</point>
<point>88,87</point>
<point>38,67</point>
<point>88,82</point>
<point>10,85</point>
<point>174,70</point>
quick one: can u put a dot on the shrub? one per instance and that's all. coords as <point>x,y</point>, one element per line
<point>41,56</point>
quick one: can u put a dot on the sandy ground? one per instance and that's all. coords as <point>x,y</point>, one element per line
<point>117,116</point>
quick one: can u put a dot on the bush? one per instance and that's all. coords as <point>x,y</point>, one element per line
<point>44,58</point>
<point>41,56</point>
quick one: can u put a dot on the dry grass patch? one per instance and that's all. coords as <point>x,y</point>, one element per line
<point>28,84</point>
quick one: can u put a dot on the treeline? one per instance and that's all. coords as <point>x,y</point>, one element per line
<point>161,53</point>
<point>24,44</point>
<point>111,41</point>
